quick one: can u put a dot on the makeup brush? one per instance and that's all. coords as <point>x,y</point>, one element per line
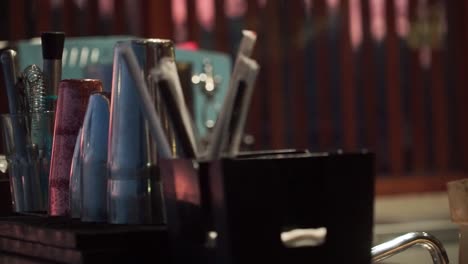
<point>8,59</point>
<point>218,139</point>
<point>52,50</point>
<point>170,89</point>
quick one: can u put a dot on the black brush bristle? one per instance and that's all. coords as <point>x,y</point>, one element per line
<point>52,45</point>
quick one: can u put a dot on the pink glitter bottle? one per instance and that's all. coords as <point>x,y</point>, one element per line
<point>73,96</point>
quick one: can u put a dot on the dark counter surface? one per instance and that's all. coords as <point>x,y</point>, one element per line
<point>67,240</point>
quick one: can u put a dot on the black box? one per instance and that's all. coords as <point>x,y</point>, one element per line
<point>245,203</point>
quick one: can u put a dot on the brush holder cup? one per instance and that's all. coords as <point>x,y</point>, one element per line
<point>27,139</point>
<point>240,210</point>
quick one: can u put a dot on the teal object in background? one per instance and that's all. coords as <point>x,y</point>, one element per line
<point>78,54</point>
<point>92,57</point>
<point>206,107</point>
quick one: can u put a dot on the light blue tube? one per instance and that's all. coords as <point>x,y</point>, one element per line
<point>94,158</point>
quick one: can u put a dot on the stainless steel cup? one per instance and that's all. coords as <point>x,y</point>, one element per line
<point>134,187</point>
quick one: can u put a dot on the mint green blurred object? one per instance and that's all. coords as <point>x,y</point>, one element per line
<point>92,57</point>
<point>78,53</point>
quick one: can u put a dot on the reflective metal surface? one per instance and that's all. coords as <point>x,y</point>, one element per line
<point>133,184</point>
<point>402,243</point>
<point>52,51</point>
<point>54,68</point>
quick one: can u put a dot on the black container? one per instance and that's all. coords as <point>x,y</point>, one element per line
<point>245,203</point>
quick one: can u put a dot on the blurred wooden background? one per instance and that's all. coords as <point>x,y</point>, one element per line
<point>382,75</point>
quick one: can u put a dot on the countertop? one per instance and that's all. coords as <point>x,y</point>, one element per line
<point>428,212</point>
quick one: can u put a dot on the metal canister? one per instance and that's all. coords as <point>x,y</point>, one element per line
<point>134,187</point>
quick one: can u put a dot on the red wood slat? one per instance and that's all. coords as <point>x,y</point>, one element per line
<point>324,122</point>
<point>221,28</point>
<point>393,92</point>
<point>158,20</point>
<point>452,84</point>
<point>92,10</point>
<point>295,60</point>
<point>272,68</point>
<point>456,30</point>
<point>146,16</point>
<point>439,104</point>
<point>347,79</point>
<point>252,15</point>
<point>17,23</point>
<point>5,19</point>
<point>368,79</point>
<point>119,19</point>
<point>417,113</point>
<point>135,23</point>
<point>461,57</point>
<point>416,183</point>
<point>254,124</point>
<point>68,19</point>
<point>43,16</point>
<point>192,22</point>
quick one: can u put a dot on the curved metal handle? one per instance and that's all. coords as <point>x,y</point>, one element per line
<point>401,243</point>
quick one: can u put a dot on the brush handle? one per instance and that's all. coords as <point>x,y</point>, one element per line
<point>8,59</point>
<point>240,110</point>
<point>218,139</point>
<point>52,50</point>
<point>149,112</point>
<point>221,136</point>
<point>172,97</point>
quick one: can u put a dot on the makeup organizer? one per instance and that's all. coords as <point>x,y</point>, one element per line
<point>157,195</point>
